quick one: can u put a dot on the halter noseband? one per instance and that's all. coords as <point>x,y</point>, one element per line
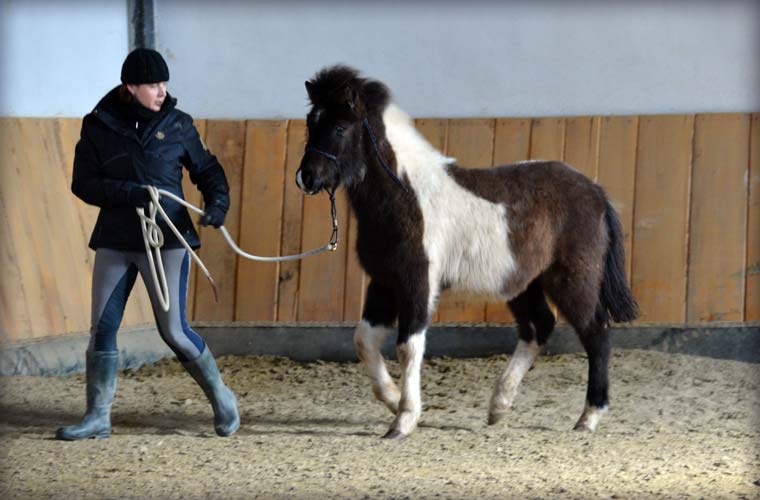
<point>372,138</point>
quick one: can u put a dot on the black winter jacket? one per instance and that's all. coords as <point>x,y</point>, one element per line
<point>113,156</point>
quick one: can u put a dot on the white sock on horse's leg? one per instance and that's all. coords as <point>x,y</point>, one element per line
<point>596,340</point>
<point>506,388</point>
<point>368,340</point>
<point>590,418</point>
<point>410,356</point>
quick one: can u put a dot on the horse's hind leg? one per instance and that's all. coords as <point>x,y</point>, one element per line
<point>377,320</point>
<point>578,299</point>
<point>596,341</point>
<point>535,323</point>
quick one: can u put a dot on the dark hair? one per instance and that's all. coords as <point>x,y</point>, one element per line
<point>125,95</point>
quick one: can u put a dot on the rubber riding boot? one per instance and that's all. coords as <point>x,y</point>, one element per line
<point>101,386</point>
<point>204,370</point>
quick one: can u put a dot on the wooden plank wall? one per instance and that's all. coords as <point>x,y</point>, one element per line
<point>687,188</point>
<point>47,266</point>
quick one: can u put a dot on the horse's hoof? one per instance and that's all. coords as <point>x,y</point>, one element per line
<point>495,418</point>
<point>582,427</point>
<point>590,418</point>
<point>394,434</point>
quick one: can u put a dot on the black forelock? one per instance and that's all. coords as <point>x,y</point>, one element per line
<point>328,85</point>
<point>333,78</point>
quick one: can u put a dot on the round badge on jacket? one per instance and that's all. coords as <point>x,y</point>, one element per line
<point>160,135</point>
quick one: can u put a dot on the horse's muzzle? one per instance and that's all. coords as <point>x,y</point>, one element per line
<point>307,183</point>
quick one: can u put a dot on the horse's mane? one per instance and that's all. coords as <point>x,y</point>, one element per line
<point>328,88</point>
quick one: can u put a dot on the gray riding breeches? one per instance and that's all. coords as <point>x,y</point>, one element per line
<point>114,275</point>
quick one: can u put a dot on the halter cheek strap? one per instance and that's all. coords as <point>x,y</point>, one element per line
<point>371,133</point>
<point>379,157</point>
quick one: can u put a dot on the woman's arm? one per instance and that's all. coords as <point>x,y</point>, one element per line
<point>87,183</point>
<point>205,172</point>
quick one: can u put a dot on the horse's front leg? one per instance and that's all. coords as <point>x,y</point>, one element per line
<point>410,348</point>
<point>368,339</point>
<point>377,320</point>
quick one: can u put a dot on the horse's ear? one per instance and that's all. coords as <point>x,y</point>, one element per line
<point>310,89</point>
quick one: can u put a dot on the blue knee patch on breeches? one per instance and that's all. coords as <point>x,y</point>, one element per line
<point>193,337</point>
<point>108,324</point>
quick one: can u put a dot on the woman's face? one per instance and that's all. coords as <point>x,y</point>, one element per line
<point>150,95</point>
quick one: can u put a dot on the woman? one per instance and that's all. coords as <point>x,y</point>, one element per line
<point>134,137</point>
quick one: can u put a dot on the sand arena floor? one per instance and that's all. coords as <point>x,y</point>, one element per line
<point>679,427</point>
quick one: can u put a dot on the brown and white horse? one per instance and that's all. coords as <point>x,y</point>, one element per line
<point>424,224</point>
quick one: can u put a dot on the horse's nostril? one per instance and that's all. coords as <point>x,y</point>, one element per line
<point>305,181</point>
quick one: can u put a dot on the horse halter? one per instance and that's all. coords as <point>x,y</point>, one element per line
<point>336,160</point>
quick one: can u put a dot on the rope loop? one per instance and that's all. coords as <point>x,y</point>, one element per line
<point>154,240</point>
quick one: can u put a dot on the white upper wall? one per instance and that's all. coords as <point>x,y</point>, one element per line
<point>57,58</point>
<point>249,59</point>
<point>238,59</point>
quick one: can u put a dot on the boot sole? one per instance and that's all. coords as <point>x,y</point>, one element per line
<point>99,435</point>
<point>226,432</point>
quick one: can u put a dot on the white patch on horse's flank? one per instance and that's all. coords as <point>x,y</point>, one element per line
<point>590,418</point>
<point>506,388</point>
<point>434,286</point>
<point>410,356</point>
<point>465,236</point>
<point>368,340</point>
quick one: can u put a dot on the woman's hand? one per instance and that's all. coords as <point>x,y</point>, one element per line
<point>139,197</point>
<point>213,216</point>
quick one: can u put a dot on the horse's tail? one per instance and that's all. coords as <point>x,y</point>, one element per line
<point>615,295</point>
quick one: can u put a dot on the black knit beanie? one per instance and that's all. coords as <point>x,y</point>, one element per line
<point>144,66</point>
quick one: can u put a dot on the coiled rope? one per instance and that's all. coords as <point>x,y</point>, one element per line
<point>154,240</point>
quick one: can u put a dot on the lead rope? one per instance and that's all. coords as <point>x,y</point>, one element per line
<point>154,239</point>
